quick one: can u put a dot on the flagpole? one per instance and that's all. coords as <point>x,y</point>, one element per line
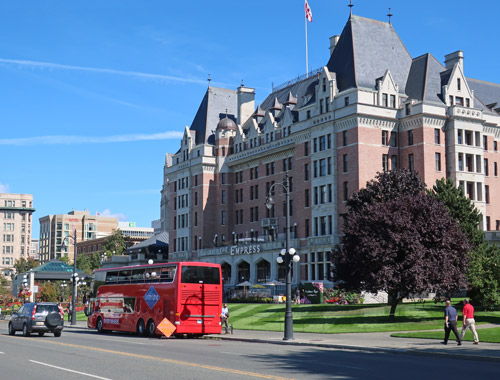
<point>307,63</point>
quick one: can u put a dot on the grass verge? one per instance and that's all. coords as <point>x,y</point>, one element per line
<point>485,335</point>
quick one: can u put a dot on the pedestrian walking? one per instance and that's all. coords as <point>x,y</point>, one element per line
<point>224,315</point>
<point>469,321</point>
<point>450,323</point>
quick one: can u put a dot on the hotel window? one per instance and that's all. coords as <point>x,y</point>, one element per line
<point>497,225</point>
<point>385,101</point>
<point>437,136</point>
<point>478,163</point>
<point>315,195</point>
<point>223,178</point>
<point>327,104</point>
<point>315,145</point>
<point>459,136</point>
<point>479,191</point>
<point>495,146</point>
<point>384,162</point>
<point>394,141</point>
<point>393,101</point>
<point>410,137</point>
<point>306,198</point>
<point>322,167</point>
<point>394,162</point>
<point>345,163</point>
<point>346,101</point>
<point>346,191</point>
<point>344,138</point>
<point>487,194</point>
<point>478,139</point>
<point>411,163</point>
<point>308,113</point>
<point>459,84</point>
<point>407,108</point>
<point>321,106</point>
<point>322,143</point>
<point>486,170</point>
<point>315,169</point>
<point>495,169</point>
<point>306,172</point>
<point>460,162</point>
<point>385,138</point>
<point>324,84</point>
<point>488,223</point>
<point>330,193</point>
<point>438,161</point>
<point>329,165</point>
<point>485,142</point>
<point>306,148</point>
<point>223,197</point>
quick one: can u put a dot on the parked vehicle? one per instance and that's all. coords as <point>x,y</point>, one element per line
<point>40,317</point>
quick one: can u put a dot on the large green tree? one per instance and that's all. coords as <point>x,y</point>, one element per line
<point>115,243</point>
<point>88,262</point>
<point>23,265</point>
<point>400,240</point>
<point>461,208</point>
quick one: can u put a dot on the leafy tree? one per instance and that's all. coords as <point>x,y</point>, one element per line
<point>386,186</point>
<point>116,243</point>
<point>88,262</point>
<point>484,275</point>
<point>400,240</point>
<point>49,292</point>
<point>4,287</point>
<point>24,265</point>
<point>461,208</point>
<point>64,258</point>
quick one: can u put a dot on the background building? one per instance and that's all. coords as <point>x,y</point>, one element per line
<point>371,108</point>
<point>15,224</point>
<point>54,230</point>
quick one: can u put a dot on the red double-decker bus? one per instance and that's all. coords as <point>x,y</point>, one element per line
<point>137,298</point>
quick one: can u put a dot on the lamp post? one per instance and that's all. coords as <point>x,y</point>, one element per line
<point>63,286</point>
<point>25,287</point>
<point>74,277</point>
<point>288,253</point>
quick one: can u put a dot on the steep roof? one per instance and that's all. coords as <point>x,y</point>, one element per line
<point>214,106</point>
<point>487,92</point>
<point>365,51</point>
<point>425,79</point>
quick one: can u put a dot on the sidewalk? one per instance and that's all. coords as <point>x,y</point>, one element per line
<point>371,342</point>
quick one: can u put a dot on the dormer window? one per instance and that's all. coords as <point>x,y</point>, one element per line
<point>385,101</point>
<point>324,84</point>
<point>459,101</point>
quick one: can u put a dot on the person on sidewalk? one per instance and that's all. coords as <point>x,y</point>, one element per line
<point>224,315</point>
<point>450,323</point>
<point>469,321</point>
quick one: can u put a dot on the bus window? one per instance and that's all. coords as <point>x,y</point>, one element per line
<point>128,304</point>
<point>196,275</point>
<point>112,277</point>
<point>124,276</point>
<point>152,275</point>
<point>138,275</point>
<point>167,274</point>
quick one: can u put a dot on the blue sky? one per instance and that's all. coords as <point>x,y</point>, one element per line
<point>93,94</point>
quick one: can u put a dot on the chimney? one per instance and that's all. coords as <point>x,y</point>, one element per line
<point>452,58</point>
<point>246,104</point>
<point>333,42</point>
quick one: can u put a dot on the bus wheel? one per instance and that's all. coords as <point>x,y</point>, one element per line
<point>99,325</point>
<point>141,330</point>
<point>151,328</point>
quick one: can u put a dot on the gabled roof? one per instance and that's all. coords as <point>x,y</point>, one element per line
<point>487,92</point>
<point>214,106</point>
<point>425,79</point>
<point>158,241</point>
<point>365,51</point>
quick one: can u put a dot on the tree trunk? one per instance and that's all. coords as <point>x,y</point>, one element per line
<point>394,300</point>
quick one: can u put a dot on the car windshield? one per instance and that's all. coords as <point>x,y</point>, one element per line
<point>46,309</point>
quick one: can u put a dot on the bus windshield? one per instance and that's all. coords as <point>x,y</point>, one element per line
<point>200,275</point>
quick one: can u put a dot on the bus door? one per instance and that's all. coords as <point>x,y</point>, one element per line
<point>167,311</point>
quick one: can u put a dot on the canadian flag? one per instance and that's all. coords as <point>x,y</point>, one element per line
<point>309,15</point>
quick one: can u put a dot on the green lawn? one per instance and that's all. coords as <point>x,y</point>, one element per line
<point>333,319</point>
<point>485,335</point>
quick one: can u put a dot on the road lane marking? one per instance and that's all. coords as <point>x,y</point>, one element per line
<point>148,357</point>
<point>70,370</point>
<point>121,341</point>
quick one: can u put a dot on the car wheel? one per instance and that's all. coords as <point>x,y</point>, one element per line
<point>41,334</point>
<point>11,329</point>
<point>100,326</point>
<point>151,328</point>
<point>57,334</point>
<point>26,332</point>
<point>141,330</point>
<point>52,320</point>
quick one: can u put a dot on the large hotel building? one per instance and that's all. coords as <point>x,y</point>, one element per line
<point>15,221</point>
<point>372,107</point>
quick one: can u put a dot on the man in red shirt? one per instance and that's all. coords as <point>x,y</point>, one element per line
<point>469,322</point>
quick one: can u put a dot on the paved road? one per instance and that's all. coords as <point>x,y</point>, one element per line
<point>82,354</point>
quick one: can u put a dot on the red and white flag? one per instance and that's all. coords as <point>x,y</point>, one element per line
<point>309,15</point>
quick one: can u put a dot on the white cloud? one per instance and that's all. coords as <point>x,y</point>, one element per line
<point>4,188</point>
<point>136,74</point>
<point>109,214</point>
<point>70,140</point>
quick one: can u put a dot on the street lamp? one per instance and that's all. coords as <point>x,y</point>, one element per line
<point>287,252</point>
<point>73,277</point>
<point>25,287</point>
<point>64,285</point>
